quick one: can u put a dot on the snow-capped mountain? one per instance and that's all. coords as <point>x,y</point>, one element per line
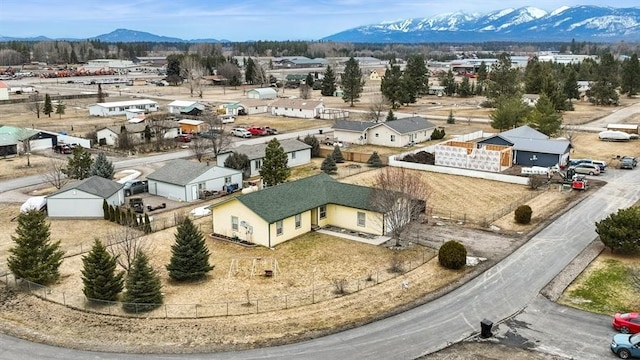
<point>582,23</point>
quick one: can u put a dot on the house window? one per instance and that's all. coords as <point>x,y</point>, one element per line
<point>323,211</point>
<point>258,164</point>
<point>227,179</point>
<point>362,219</point>
<point>364,136</point>
<point>393,138</point>
<point>298,221</point>
<point>234,223</point>
<point>279,227</point>
<point>293,155</point>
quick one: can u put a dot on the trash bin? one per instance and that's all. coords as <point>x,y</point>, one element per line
<point>320,131</point>
<point>485,327</point>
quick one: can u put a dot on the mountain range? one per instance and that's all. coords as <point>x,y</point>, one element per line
<point>526,24</point>
<point>582,23</point>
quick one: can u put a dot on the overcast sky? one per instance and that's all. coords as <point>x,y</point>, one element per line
<point>236,20</point>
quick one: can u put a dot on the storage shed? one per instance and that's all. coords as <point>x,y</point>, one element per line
<point>84,199</point>
<point>262,93</point>
<point>184,180</point>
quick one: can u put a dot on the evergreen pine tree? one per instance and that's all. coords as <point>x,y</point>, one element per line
<point>99,276</point>
<point>79,164</point>
<point>329,82</point>
<point>352,82</point>
<point>105,209</point>
<point>143,286</point>
<point>451,119</point>
<point>118,214</point>
<point>102,167</point>
<point>34,257</point>
<point>100,94</point>
<point>337,155</point>
<point>147,224</point>
<point>329,165</point>
<point>47,108</point>
<point>275,169</point>
<point>60,108</point>
<point>314,143</point>
<point>189,254</point>
<point>374,160</point>
<point>391,116</point>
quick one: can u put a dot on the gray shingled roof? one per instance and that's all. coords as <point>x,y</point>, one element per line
<point>181,172</point>
<point>258,151</point>
<point>526,138</point>
<point>131,128</point>
<point>409,125</point>
<point>357,126</point>
<point>94,185</point>
<point>287,199</point>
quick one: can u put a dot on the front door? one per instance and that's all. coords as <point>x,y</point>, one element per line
<point>194,192</point>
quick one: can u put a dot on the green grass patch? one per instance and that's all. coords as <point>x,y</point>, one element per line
<point>603,291</point>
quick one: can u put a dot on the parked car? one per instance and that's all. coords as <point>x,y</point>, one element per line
<point>185,138</point>
<point>257,131</point>
<point>585,168</point>
<point>628,162</point>
<point>227,119</point>
<point>135,187</point>
<point>209,134</point>
<point>574,162</point>
<point>626,323</point>
<point>626,346</point>
<point>601,164</point>
<point>240,132</point>
<point>63,149</point>
<point>271,131</point>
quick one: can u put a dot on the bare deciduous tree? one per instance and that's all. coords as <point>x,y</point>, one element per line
<point>199,147</point>
<point>125,243</point>
<point>35,104</point>
<point>377,108</point>
<point>55,175</point>
<point>193,72</point>
<point>305,91</point>
<point>222,139</point>
<point>569,133</point>
<point>401,195</point>
<point>159,124</point>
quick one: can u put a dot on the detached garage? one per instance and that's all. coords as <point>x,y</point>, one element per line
<point>83,199</point>
<point>183,180</point>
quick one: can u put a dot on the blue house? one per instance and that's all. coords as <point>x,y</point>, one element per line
<point>531,147</point>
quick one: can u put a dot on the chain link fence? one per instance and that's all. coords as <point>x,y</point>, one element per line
<point>245,304</point>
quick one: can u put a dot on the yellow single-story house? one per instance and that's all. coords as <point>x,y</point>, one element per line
<point>274,215</point>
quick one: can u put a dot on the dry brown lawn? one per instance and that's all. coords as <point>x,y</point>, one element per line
<point>587,145</point>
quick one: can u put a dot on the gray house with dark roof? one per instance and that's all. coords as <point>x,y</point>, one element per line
<point>274,215</point>
<point>184,180</point>
<point>298,153</point>
<point>84,199</point>
<point>531,147</point>
<point>397,133</point>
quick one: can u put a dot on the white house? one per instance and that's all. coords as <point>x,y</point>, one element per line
<point>84,199</point>
<point>185,180</point>
<point>262,93</point>
<point>396,133</point>
<point>185,107</point>
<point>530,99</point>
<point>298,153</point>
<point>298,108</point>
<point>247,107</point>
<point>4,91</point>
<point>110,135</point>
<point>120,107</point>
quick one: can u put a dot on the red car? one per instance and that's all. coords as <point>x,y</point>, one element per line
<point>257,131</point>
<point>183,138</point>
<point>628,323</point>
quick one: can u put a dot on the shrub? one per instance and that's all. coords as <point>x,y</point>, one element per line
<point>523,214</point>
<point>374,160</point>
<point>452,255</point>
<point>437,134</point>
<point>535,181</point>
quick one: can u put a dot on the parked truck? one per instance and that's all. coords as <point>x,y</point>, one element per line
<point>135,187</point>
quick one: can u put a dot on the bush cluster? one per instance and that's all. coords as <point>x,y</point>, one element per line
<point>438,134</point>
<point>452,255</point>
<point>522,214</point>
